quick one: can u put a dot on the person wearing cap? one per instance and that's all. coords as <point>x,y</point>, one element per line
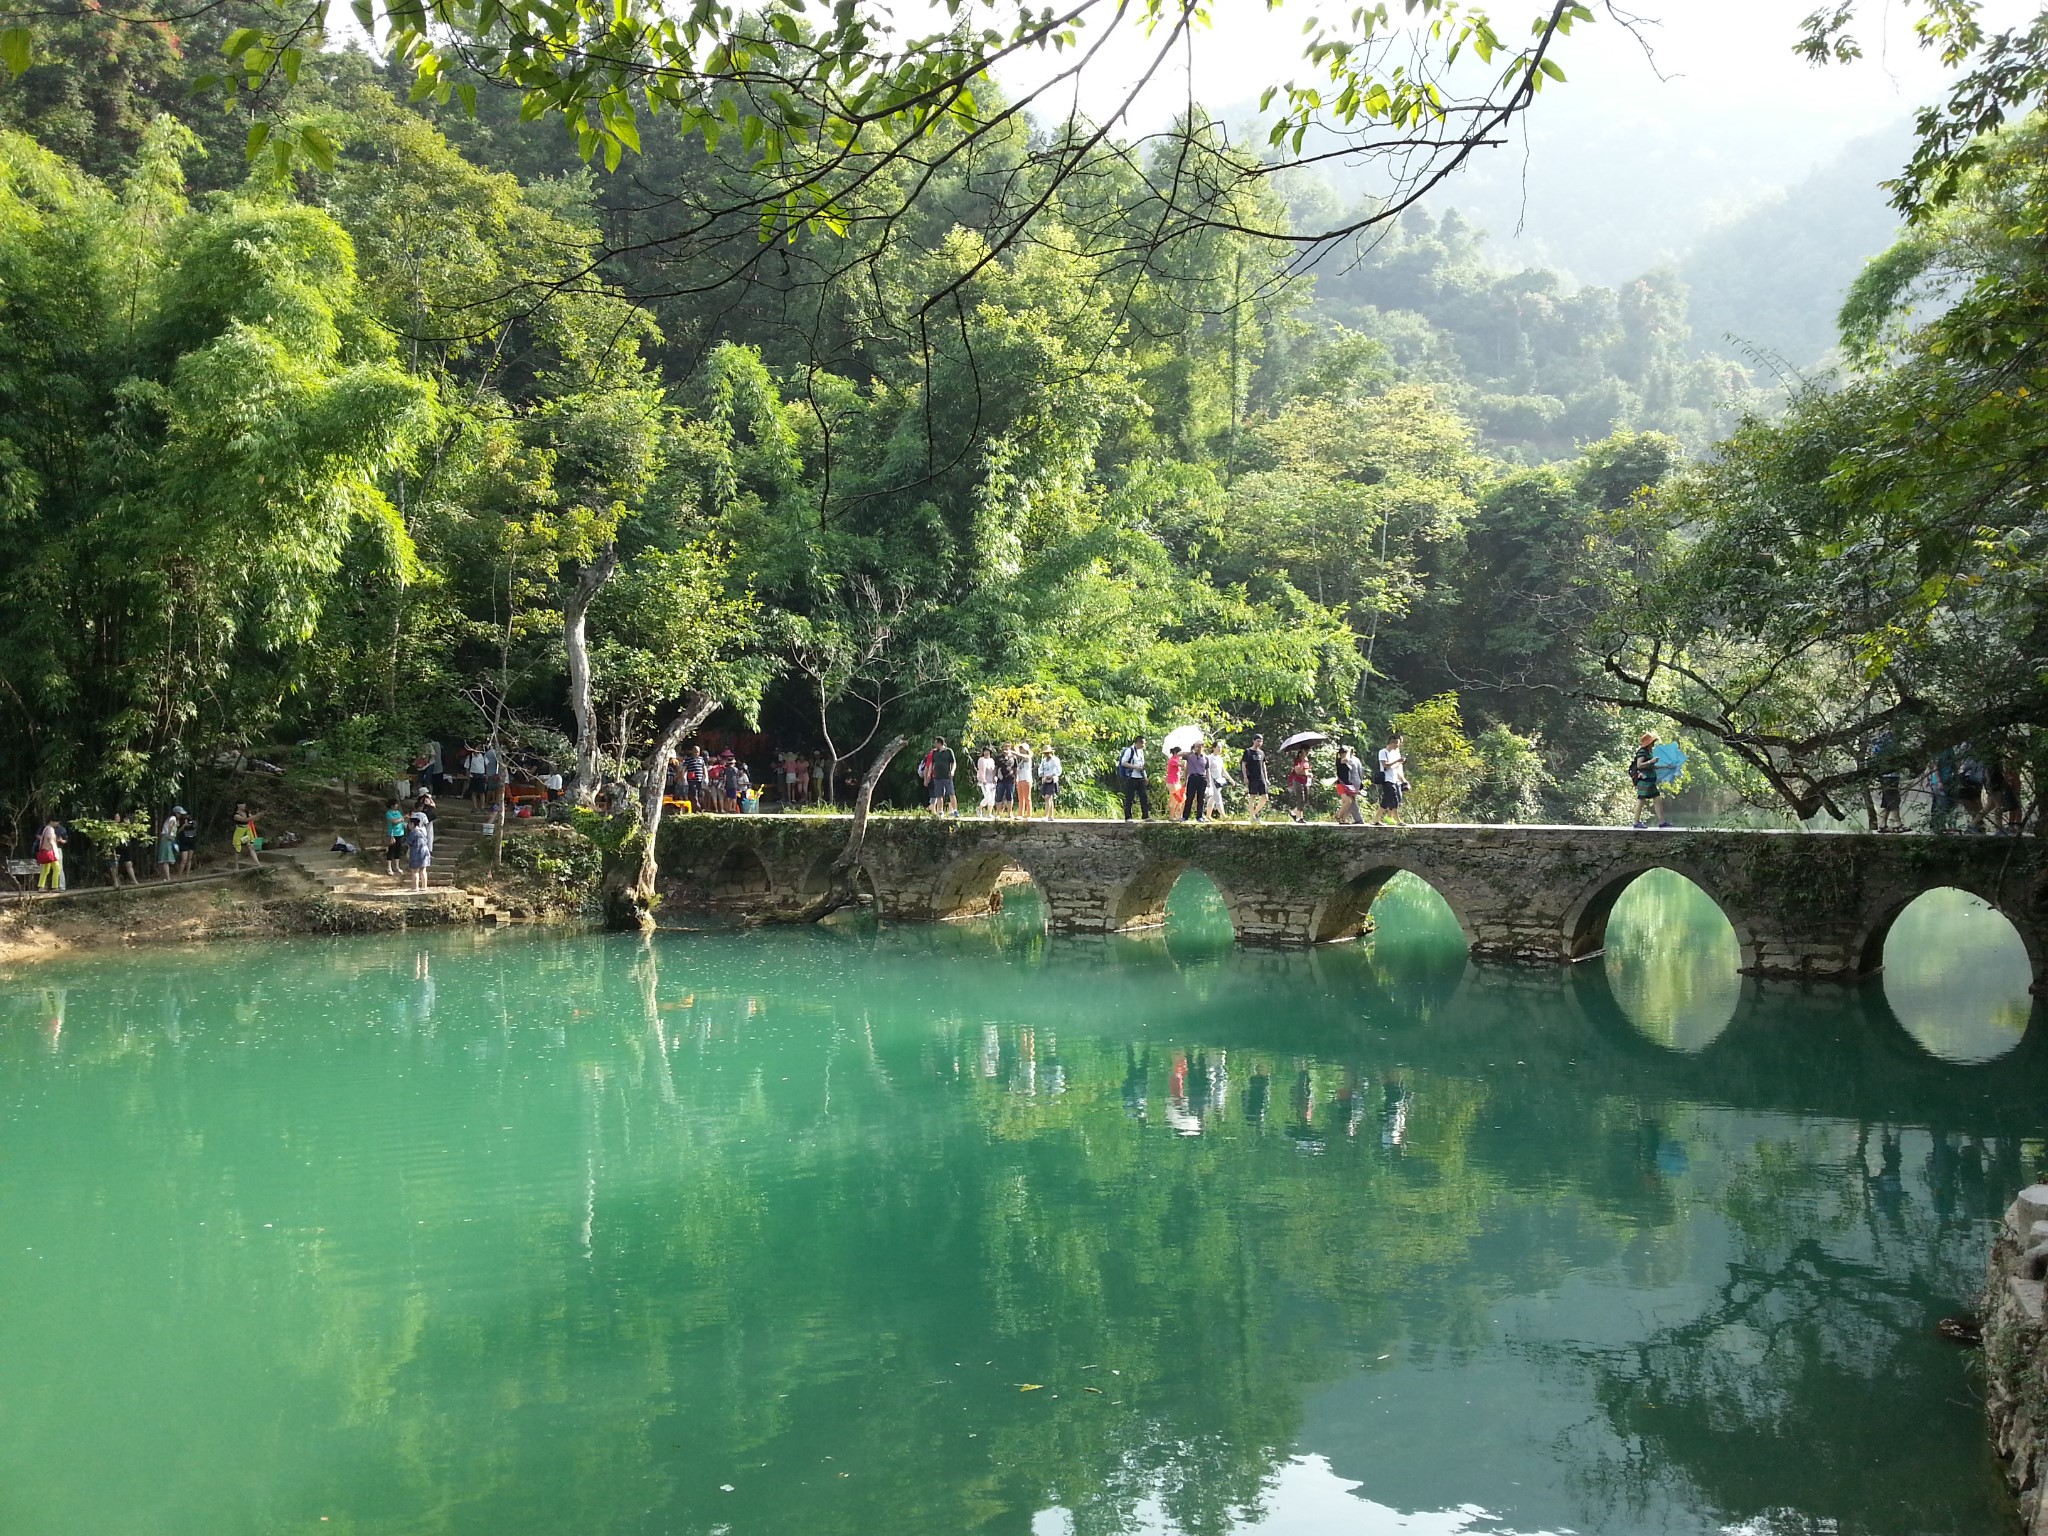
<point>167,842</point>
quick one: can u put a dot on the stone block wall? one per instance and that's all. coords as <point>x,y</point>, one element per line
<point>2016,1352</point>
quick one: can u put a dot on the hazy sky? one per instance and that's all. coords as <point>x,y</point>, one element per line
<point>1620,167</point>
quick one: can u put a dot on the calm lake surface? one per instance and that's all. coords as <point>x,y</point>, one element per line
<point>925,1231</point>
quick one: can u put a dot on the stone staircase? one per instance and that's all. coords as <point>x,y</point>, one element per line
<point>457,831</point>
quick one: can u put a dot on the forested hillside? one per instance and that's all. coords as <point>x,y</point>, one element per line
<point>432,430</point>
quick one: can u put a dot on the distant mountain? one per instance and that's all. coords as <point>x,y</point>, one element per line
<point>1771,280</point>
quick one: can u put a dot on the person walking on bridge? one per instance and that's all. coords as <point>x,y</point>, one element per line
<point>1049,770</point>
<point>1350,776</point>
<point>1642,772</point>
<point>941,764</point>
<point>1392,779</point>
<point>1130,770</point>
<point>1194,767</point>
<point>1252,767</point>
<point>1299,776</point>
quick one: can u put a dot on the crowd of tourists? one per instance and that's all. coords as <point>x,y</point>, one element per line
<point>1969,791</point>
<point>1008,777</point>
<point>128,847</point>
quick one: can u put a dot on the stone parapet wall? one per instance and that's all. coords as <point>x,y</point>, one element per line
<point>1803,906</point>
<point>2016,1352</point>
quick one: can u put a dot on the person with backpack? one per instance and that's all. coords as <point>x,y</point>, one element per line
<point>1890,783</point>
<point>1969,790</point>
<point>1252,767</point>
<point>1130,769</point>
<point>1642,773</point>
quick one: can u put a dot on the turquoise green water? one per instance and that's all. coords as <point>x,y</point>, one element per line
<point>930,1231</point>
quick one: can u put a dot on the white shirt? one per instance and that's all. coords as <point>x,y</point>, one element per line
<point>1049,766</point>
<point>1390,765</point>
<point>552,781</point>
<point>985,771</point>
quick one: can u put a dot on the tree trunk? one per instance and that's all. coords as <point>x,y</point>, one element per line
<point>841,892</point>
<point>629,882</point>
<point>575,642</point>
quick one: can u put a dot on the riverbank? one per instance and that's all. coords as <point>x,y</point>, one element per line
<point>272,902</point>
<point>2016,1352</point>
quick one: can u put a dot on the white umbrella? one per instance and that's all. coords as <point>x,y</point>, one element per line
<point>1303,739</point>
<point>1182,736</point>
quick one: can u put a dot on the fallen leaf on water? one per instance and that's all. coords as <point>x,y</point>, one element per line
<point>1096,1390</point>
<point>1029,1386</point>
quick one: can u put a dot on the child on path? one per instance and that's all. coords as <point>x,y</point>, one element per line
<point>394,839</point>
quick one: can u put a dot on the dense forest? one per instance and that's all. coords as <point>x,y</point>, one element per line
<point>442,426</point>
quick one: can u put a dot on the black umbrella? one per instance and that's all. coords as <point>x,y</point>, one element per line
<point>1303,739</point>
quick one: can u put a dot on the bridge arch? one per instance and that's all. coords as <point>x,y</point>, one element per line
<point>1342,913</point>
<point>1585,920</point>
<point>971,885</point>
<point>739,875</point>
<point>1139,900</point>
<point>1877,928</point>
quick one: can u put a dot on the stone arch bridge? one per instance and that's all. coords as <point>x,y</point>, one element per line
<point>1808,905</point>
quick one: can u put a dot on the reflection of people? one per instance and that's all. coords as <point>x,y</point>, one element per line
<point>1393,1115</point>
<point>1258,1093</point>
<point>1303,1127</point>
<point>1134,1083</point>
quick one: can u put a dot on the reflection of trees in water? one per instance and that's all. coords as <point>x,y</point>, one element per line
<point>759,1230</point>
<point>1672,960</point>
<point>1957,976</point>
<point>1819,1334</point>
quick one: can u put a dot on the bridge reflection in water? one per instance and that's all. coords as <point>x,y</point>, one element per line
<point>1663,1012</point>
